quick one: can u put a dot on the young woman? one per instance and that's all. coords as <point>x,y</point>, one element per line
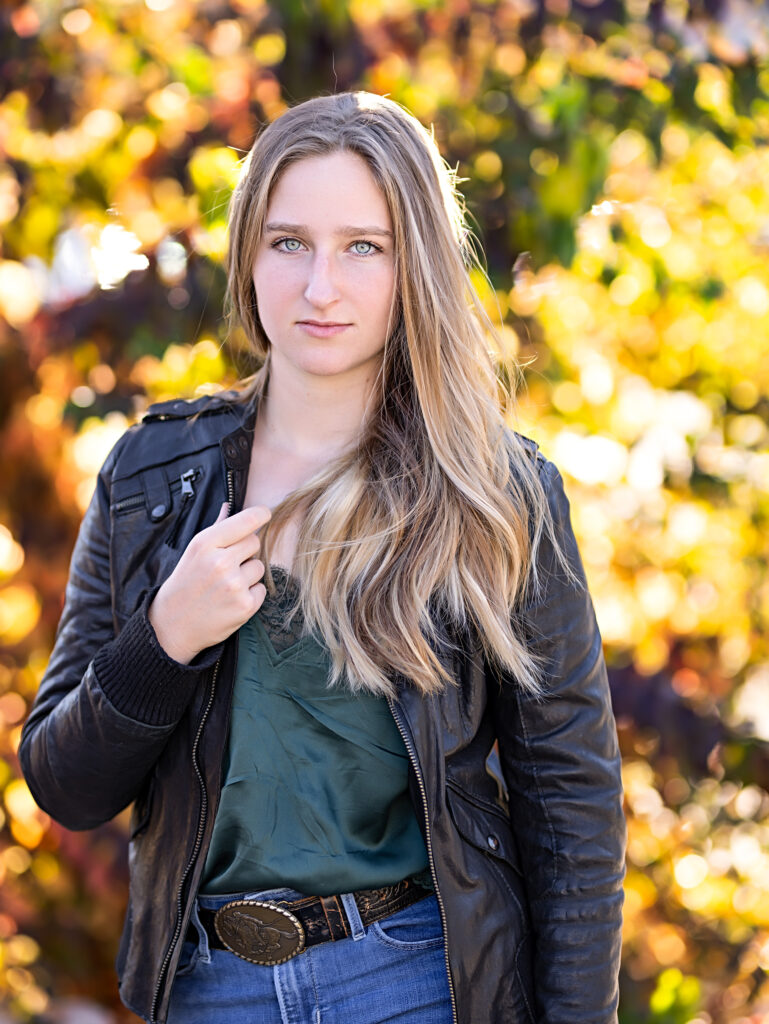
<point>301,614</point>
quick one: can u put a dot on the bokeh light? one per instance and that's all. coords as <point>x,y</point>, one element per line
<point>616,172</point>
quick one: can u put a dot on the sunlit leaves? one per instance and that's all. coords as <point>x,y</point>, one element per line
<point>628,158</point>
<point>11,553</point>
<point>184,370</point>
<point>19,612</point>
<point>270,48</point>
<point>19,296</point>
<point>676,997</point>
<point>213,171</point>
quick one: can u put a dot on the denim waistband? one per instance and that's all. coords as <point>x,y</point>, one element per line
<point>214,901</point>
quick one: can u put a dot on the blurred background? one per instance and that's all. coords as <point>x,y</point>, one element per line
<point>616,168</point>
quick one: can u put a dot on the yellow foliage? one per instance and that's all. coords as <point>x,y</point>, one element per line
<point>19,612</point>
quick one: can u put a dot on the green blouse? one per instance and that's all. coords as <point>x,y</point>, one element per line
<point>315,789</point>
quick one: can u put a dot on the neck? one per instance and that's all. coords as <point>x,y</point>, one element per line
<point>310,417</point>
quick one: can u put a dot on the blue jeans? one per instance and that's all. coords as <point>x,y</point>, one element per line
<point>391,971</point>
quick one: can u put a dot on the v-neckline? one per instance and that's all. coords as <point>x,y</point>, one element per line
<point>278,657</point>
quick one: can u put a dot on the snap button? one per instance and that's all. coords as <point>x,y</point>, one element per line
<point>158,512</point>
<point>230,450</point>
<point>493,842</point>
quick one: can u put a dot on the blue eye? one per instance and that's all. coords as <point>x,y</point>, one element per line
<point>368,248</point>
<point>286,244</point>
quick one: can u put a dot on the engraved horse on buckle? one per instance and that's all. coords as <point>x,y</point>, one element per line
<point>261,933</point>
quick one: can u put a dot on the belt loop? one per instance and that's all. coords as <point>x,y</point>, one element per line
<point>353,916</point>
<point>335,917</point>
<point>204,951</point>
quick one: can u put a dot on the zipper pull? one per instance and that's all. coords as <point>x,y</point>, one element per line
<point>186,497</point>
<point>187,489</point>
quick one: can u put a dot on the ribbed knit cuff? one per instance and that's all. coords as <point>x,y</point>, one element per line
<point>141,680</point>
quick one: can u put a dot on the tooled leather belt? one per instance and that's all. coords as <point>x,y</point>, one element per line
<point>270,933</point>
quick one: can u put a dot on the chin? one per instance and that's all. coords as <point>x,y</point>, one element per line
<point>328,363</point>
<point>327,369</point>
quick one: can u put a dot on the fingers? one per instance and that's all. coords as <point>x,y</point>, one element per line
<point>215,586</point>
<point>231,529</point>
<point>259,592</point>
<point>241,551</point>
<point>252,571</point>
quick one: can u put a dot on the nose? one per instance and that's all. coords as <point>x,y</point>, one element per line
<point>322,288</point>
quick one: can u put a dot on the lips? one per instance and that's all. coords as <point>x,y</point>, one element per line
<point>322,328</point>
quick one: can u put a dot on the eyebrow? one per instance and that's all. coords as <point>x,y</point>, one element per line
<point>348,230</point>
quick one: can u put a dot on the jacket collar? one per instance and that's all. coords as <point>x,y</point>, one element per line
<point>236,450</point>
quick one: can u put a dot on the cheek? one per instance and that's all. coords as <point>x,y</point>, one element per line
<point>377,291</point>
<point>272,289</point>
<point>268,278</point>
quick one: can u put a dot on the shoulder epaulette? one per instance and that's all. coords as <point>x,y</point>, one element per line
<point>182,409</point>
<point>529,446</point>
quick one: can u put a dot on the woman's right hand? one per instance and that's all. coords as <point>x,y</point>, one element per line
<point>214,588</point>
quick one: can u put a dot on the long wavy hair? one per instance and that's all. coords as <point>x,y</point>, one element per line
<point>435,515</point>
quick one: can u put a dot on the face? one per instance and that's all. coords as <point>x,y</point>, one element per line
<point>325,272</point>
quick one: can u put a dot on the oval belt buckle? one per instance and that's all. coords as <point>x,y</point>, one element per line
<point>261,933</point>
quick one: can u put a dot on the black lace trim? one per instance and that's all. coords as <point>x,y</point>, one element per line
<point>275,608</point>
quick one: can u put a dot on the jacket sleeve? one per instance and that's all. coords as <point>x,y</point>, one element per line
<point>560,759</point>
<point>106,704</point>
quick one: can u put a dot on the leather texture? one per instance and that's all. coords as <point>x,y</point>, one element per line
<point>529,866</point>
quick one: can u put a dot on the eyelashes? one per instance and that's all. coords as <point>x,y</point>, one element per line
<point>373,248</point>
<point>282,245</point>
<point>280,241</point>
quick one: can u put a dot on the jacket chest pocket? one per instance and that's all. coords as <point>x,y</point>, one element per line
<point>149,512</point>
<point>487,828</point>
<point>165,497</point>
<point>483,826</point>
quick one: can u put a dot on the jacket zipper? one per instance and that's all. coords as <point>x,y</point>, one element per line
<point>135,501</point>
<point>138,500</point>
<point>201,818</point>
<point>418,772</point>
<point>230,491</point>
<point>196,847</point>
<point>187,497</point>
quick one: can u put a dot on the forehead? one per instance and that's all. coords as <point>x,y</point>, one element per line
<point>318,190</point>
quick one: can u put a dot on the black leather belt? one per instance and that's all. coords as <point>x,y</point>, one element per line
<point>269,933</point>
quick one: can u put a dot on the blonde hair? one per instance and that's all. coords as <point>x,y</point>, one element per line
<point>436,513</point>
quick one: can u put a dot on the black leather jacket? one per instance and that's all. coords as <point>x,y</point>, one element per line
<point>529,882</point>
